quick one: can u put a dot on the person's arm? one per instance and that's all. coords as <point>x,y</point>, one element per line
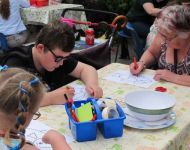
<point>150,9</point>
<point>149,56</point>
<point>89,76</point>
<point>56,140</point>
<point>172,77</point>
<point>24,3</point>
<point>56,97</point>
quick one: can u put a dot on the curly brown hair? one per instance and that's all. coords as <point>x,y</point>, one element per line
<point>176,16</point>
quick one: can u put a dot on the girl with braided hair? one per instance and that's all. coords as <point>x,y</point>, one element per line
<point>20,97</point>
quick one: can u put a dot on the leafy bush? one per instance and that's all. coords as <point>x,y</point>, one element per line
<point>181,1</point>
<point>118,6</point>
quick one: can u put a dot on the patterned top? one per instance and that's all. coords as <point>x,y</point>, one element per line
<point>183,67</point>
<point>15,144</point>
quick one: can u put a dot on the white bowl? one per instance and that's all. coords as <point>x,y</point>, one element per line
<point>149,105</point>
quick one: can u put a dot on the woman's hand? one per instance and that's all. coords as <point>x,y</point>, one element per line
<point>172,77</point>
<point>135,69</point>
<point>164,75</point>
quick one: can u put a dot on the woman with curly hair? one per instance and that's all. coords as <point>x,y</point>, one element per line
<point>170,48</point>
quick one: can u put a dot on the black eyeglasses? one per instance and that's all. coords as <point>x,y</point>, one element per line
<point>36,115</point>
<point>58,58</point>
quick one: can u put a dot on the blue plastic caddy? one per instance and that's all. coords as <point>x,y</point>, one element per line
<point>86,131</point>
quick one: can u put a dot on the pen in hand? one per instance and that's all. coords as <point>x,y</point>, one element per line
<point>71,106</point>
<point>135,63</point>
<point>67,100</point>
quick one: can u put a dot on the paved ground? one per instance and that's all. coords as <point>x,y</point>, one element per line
<point>125,60</point>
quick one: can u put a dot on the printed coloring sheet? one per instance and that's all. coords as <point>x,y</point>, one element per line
<point>80,92</point>
<point>124,76</point>
<point>35,132</point>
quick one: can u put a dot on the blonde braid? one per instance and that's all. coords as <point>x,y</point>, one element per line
<point>20,93</point>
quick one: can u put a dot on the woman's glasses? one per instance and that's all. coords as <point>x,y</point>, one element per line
<point>57,58</point>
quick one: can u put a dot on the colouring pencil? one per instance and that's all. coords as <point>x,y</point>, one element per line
<point>135,63</point>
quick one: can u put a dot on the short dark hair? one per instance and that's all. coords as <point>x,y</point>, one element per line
<point>57,35</point>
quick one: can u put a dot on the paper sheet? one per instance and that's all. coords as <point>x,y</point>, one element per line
<point>80,92</point>
<point>35,132</point>
<point>124,76</point>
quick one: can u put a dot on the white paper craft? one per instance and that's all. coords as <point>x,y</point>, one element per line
<point>35,132</point>
<point>141,80</point>
<point>80,92</point>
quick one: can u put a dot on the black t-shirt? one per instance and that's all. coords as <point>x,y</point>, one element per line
<point>138,14</point>
<point>22,58</point>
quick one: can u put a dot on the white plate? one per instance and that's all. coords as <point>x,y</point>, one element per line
<point>140,124</point>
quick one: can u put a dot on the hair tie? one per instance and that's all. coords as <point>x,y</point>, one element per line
<point>3,68</point>
<point>21,88</point>
<point>34,81</point>
<point>19,121</point>
<point>21,107</point>
<point>21,133</point>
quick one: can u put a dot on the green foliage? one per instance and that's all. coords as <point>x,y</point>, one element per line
<point>118,6</point>
<point>180,1</point>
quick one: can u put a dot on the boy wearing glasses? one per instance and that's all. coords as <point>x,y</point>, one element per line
<point>50,59</point>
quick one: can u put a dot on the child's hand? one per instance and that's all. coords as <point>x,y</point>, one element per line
<point>51,136</point>
<point>94,90</point>
<point>56,97</point>
<point>70,91</point>
<point>56,139</point>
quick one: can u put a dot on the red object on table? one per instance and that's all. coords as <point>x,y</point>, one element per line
<point>160,89</point>
<point>135,63</point>
<point>94,117</point>
<point>89,36</point>
<point>41,3</point>
<point>32,2</point>
<point>74,116</point>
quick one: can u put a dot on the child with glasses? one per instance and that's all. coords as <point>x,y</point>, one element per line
<point>20,97</point>
<point>170,49</point>
<point>50,60</point>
